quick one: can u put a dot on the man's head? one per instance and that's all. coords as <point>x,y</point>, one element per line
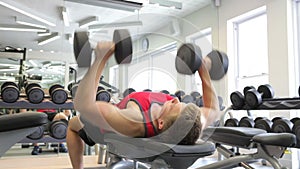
<point>180,123</point>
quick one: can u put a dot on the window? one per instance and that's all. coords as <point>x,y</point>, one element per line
<point>297,38</point>
<point>155,70</point>
<point>251,50</point>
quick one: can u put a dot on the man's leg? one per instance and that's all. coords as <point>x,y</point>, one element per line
<point>74,143</point>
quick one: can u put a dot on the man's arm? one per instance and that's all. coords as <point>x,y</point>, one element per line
<point>85,99</point>
<point>210,108</point>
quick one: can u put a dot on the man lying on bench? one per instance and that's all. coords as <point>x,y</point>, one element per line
<point>140,114</point>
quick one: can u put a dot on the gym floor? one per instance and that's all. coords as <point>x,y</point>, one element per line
<point>20,158</point>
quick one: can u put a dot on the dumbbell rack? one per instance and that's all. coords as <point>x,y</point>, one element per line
<point>46,104</point>
<point>285,104</point>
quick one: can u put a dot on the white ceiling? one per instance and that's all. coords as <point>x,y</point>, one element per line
<point>153,17</point>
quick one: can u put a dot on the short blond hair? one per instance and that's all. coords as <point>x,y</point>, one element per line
<point>185,129</point>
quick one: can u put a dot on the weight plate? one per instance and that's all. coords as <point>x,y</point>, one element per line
<point>237,99</point>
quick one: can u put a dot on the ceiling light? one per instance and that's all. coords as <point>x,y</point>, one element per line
<point>21,28</point>
<point>29,24</point>
<point>115,4</point>
<point>12,5</point>
<point>46,33</point>
<point>88,21</point>
<point>167,3</point>
<point>49,38</point>
<point>65,16</point>
<point>115,24</point>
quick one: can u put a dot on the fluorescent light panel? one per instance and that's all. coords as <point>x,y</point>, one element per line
<point>88,21</point>
<point>167,3</point>
<point>21,28</point>
<point>65,16</point>
<point>25,13</point>
<point>46,33</point>
<point>49,38</point>
<point>115,4</point>
<point>29,24</point>
<point>116,24</point>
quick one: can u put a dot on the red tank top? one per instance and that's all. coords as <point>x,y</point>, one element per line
<point>144,100</point>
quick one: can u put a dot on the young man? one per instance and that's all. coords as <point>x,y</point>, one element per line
<point>140,114</point>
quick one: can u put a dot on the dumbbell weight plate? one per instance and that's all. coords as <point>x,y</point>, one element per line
<point>187,99</point>
<point>188,59</point>
<point>253,98</point>
<point>282,126</point>
<point>8,84</point>
<point>247,88</point>
<point>103,95</point>
<point>73,90</point>
<point>195,94</point>
<point>82,49</point>
<point>237,99</point>
<point>58,94</point>
<point>264,124</point>
<point>37,134</point>
<point>232,122</point>
<point>10,93</point>
<point>246,122</point>
<point>55,86</point>
<point>58,129</point>
<point>31,85</point>
<point>34,93</point>
<point>296,131</point>
<point>123,46</point>
<point>199,101</point>
<point>128,91</point>
<point>267,91</point>
<point>179,94</point>
<point>219,64</point>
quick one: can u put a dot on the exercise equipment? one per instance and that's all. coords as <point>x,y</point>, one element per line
<point>34,93</point>
<point>165,91</point>
<point>83,50</point>
<point>189,59</point>
<point>282,125</point>
<point>58,94</point>
<point>232,122</point>
<point>179,94</point>
<point>254,97</point>
<point>237,98</point>
<point>10,92</point>
<point>263,123</point>
<point>187,99</point>
<point>195,95</point>
<point>58,129</point>
<point>246,122</point>
<point>37,134</point>
<point>147,90</point>
<point>128,91</point>
<point>103,95</point>
<point>296,131</point>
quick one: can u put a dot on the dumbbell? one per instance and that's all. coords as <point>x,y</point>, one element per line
<point>37,134</point>
<point>34,93</point>
<point>195,95</point>
<point>128,91</point>
<point>187,99</point>
<point>10,92</point>
<point>189,59</point>
<point>147,90</point>
<point>58,94</point>
<point>58,129</point>
<point>165,91</point>
<point>232,122</point>
<point>83,50</point>
<point>246,122</point>
<point>296,129</point>
<point>254,97</point>
<point>237,98</point>
<point>282,125</point>
<point>103,95</point>
<point>179,94</point>
<point>263,123</point>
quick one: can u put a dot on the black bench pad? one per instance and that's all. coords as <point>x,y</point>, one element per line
<point>235,136</point>
<point>22,120</point>
<point>276,139</point>
<point>150,147</point>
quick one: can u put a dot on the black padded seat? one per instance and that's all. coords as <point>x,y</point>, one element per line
<point>11,122</point>
<point>235,136</point>
<point>276,139</point>
<point>146,149</point>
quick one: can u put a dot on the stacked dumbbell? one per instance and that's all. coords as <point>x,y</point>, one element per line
<point>10,92</point>
<point>58,94</point>
<point>102,94</point>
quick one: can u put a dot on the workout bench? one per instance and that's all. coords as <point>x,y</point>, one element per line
<point>124,152</point>
<point>15,127</point>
